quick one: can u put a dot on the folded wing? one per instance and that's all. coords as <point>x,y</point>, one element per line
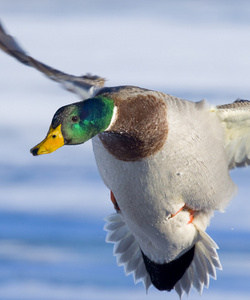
<point>85,86</point>
<point>235,119</point>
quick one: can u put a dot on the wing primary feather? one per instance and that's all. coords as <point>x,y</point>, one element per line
<point>85,86</point>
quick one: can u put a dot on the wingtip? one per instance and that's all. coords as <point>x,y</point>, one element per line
<point>85,86</point>
<point>9,45</point>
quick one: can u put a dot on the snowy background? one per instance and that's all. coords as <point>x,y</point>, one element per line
<point>52,207</point>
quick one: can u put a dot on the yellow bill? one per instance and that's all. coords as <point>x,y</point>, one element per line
<point>52,142</point>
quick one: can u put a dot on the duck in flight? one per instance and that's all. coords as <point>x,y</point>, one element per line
<point>166,162</point>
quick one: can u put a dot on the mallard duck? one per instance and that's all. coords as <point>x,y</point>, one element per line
<point>166,162</point>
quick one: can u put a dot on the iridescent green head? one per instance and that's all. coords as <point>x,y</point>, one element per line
<point>77,123</point>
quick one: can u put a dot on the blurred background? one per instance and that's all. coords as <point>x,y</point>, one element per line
<point>52,208</point>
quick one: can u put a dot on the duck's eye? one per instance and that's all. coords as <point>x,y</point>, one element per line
<point>53,136</point>
<point>75,119</point>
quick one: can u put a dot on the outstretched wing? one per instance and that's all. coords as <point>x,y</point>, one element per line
<point>235,118</point>
<point>85,86</point>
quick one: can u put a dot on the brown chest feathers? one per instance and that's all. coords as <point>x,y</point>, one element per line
<point>140,129</point>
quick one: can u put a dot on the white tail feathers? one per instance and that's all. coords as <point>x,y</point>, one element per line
<point>203,266</point>
<point>128,254</point>
<point>126,249</point>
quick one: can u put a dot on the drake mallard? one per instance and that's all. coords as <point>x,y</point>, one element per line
<point>166,162</point>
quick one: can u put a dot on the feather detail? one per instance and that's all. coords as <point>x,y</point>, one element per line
<point>85,86</point>
<point>128,254</point>
<point>235,118</point>
<point>126,249</point>
<point>203,266</point>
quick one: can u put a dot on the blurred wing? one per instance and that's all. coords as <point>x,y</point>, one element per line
<point>85,86</point>
<point>235,118</point>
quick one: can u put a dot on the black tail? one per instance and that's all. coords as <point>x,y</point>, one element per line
<point>165,276</point>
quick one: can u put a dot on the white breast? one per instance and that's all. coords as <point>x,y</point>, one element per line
<point>191,168</point>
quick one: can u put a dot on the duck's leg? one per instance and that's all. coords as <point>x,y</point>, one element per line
<point>190,210</point>
<point>112,197</point>
<point>173,215</point>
